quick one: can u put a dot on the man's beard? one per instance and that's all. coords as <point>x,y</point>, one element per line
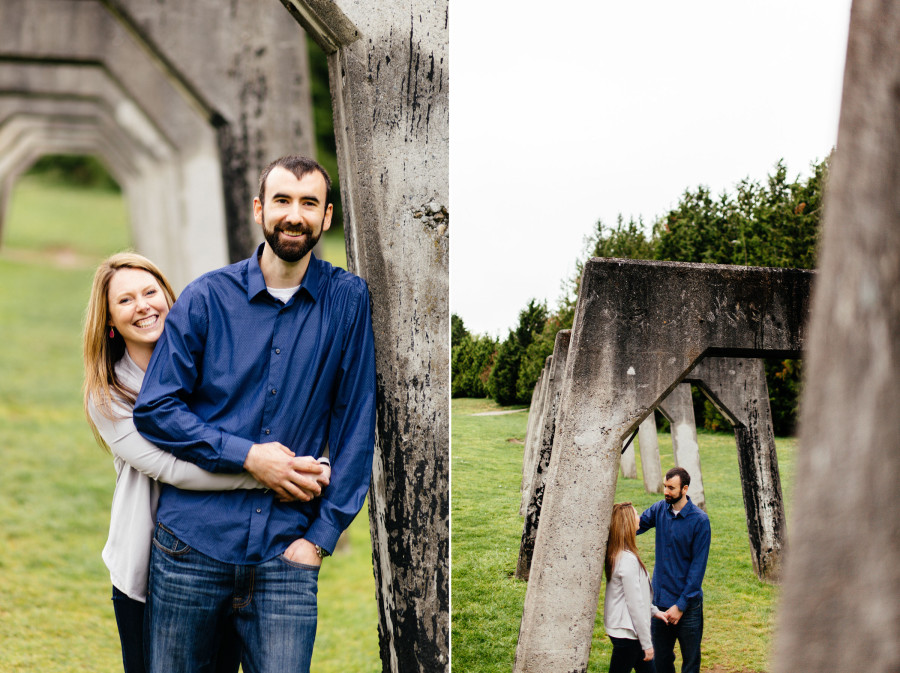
<point>671,499</point>
<point>291,249</point>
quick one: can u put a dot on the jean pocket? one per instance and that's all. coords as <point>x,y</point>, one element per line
<point>166,542</point>
<point>300,566</point>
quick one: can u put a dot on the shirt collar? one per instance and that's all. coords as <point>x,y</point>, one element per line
<point>256,283</point>
<point>684,510</point>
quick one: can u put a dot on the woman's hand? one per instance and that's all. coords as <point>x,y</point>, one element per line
<point>309,469</point>
<point>648,655</point>
<point>325,477</point>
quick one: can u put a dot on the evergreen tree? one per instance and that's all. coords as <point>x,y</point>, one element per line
<point>457,330</point>
<point>470,365</point>
<point>501,385</point>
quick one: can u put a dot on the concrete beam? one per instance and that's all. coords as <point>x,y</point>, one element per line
<point>83,32</point>
<point>678,407</point>
<point>639,328</point>
<point>844,557</point>
<point>546,432</point>
<point>737,387</point>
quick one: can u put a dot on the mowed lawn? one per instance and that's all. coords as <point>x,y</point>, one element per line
<point>487,600</point>
<point>56,484</point>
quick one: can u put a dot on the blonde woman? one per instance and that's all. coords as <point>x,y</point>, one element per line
<point>627,607</point>
<point>126,313</point>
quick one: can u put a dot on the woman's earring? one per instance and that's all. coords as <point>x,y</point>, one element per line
<point>111,333</point>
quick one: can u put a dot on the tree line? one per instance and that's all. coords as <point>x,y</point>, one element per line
<point>773,223</point>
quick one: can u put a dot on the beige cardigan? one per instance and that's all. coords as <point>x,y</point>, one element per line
<point>627,606</point>
<point>140,466</point>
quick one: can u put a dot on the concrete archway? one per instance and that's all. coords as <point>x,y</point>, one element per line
<point>640,329</point>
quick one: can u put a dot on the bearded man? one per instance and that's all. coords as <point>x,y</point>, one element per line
<point>682,549</point>
<point>267,366</point>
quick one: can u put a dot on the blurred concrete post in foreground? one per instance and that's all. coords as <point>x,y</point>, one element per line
<point>843,561</point>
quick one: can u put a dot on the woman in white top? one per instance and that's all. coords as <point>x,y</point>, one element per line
<point>129,301</point>
<point>627,607</point>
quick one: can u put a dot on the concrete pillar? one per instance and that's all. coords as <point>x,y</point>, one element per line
<point>388,68</point>
<point>532,446</point>
<point>640,327</point>
<point>648,443</point>
<point>528,447</point>
<point>546,433</point>
<point>844,556</point>
<point>737,387</point>
<point>679,409</point>
<point>628,463</point>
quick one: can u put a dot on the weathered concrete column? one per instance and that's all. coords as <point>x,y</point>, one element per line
<point>738,389</point>
<point>679,409</point>
<point>628,463</point>
<point>533,439</point>
<point>528,447</point>
<point>545,433</point>
<point>648,444</point>
<point>388,68</point>
<point>640,327</point>
<point>844,555</point>
<point>246,66</point>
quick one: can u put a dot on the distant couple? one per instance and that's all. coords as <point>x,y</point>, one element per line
<point>643,628</point>
<point>241,419</point>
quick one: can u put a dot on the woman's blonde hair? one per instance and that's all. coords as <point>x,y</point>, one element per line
<point>101,352</point>
<point>622,536</point>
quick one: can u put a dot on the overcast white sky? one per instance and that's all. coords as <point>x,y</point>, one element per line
<point>566,112</point>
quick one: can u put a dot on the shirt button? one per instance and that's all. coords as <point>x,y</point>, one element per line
<point>258,511</point>
<point>277,351</point>
<point>274,390</point>
<point>268,431</point>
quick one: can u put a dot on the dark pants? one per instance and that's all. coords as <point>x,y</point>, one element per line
<point>133,635</point>
<point>688,632</point>
<point>628,654</point>
<point>130,620</point>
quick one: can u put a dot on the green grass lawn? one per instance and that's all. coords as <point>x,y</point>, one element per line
<point>56,485</point>
<point>487,601</point>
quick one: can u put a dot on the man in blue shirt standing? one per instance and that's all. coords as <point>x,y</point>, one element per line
<point>682,549</point>
<point>264,366</point>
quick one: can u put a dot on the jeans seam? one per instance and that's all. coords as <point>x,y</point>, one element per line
<point>237,606</point>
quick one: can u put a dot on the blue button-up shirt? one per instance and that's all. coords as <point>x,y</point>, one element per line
<point>235,367</point>
<point>682,549</point>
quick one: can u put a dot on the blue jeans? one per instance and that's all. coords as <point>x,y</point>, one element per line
<point>132,635</point>
<point>272,607</point>
<point>688,632</point>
